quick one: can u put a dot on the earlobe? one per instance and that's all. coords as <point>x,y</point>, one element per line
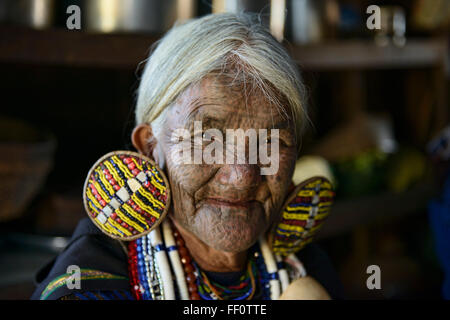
<point>142,139</point>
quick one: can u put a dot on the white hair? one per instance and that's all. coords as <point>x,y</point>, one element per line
<point>191,51</point>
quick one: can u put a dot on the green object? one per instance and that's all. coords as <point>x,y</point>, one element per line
<point>360,175</point>
<point>405,168</point>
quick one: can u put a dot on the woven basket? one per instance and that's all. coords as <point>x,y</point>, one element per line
<point>26,158</point>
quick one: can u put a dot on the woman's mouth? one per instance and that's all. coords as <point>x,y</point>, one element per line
<point>225,202</point>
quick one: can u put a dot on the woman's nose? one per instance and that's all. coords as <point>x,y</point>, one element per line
<point>240,176</point>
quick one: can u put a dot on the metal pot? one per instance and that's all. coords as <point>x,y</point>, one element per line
<point>313,20</point>
<point>127,15</point>
<point>235,6</point>
<point>271,13</point>
<point>38,14</point>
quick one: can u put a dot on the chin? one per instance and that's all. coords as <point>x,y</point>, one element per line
<point>230,229</point>
<point>233,242</point>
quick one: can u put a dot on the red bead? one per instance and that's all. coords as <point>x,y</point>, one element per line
<point>116,187</point>
<point>183,251</point>
<point>114,216</point>
<point>112,182</point>
<point>127,160</point>
<point>192,288</point>
<point>118,220</point>
<point>186,259</point>
<point>131,165</point>
<point>135,172</point>
<point>188,268</point>
<point>195,296</point>
<point>103,203</point>
<point>108,176</point>
<point>190,278</point>
<point>180,242</point>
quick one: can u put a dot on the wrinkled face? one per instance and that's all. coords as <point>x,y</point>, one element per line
<point>227,206</point>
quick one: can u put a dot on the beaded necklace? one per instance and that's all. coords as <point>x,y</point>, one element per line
<point>211,290</point>
<point>151,278</point>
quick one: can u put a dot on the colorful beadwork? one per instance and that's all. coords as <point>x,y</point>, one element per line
<point>126,195</point>
<point>245,290</point>
<point>146,283</point>
<point>188,267</point>
<point>85,274</point>
<point>302,216</point>
<point>145,279</point>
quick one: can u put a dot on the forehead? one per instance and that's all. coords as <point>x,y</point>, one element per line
<point>217,100</point>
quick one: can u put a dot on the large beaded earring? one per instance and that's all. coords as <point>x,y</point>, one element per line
<point>126,195</point>
<point>304,212</point>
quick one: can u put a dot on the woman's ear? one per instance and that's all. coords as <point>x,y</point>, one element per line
<point>143,139</point>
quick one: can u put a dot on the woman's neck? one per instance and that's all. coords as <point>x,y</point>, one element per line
<point>210,259</point>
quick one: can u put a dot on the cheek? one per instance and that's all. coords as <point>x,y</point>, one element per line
<point>287,165</point>
<point>279,183</point>
<point>188,177</point>
<point>185,180</point>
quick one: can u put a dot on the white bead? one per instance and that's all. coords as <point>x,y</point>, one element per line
<point>123,194</point>
<point>101,218</point>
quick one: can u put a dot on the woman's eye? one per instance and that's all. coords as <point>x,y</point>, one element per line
<point>202,138</point>
<point>281,142</point>
<point>208,137</point>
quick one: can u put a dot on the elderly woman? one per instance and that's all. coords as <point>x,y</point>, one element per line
<point>224,72</point>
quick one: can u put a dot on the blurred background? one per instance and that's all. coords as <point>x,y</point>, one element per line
<point>378,102</point>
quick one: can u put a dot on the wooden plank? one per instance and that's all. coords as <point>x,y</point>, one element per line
<point>352,54</point>
<point>73,48</point>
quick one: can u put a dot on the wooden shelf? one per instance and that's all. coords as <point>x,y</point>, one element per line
<point>73,48</point>
<point>354,54</point>
<point>348,214</point>
<point>80,49</point>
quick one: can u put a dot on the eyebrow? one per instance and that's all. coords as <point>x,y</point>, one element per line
<point>197,106</point>
<point>284,124</point>
<point>208,118</point>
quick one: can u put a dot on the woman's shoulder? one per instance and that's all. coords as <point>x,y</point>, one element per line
<point>91,262</point>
